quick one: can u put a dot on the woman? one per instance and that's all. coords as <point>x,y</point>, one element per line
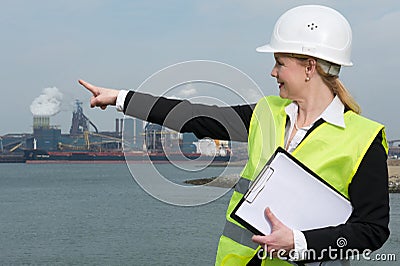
<point>315,119</point>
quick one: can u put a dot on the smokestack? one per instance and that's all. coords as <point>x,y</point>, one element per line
<point>41,121</point>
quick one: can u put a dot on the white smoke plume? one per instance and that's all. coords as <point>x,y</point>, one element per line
<point>48,103</point>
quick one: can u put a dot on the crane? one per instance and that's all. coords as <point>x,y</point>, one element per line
<point>88,144</point>
<point>16,147</point>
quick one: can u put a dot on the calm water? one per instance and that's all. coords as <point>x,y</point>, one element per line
<point>98,215</point>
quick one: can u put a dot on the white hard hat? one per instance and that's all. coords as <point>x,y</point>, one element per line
<point>314,30</point>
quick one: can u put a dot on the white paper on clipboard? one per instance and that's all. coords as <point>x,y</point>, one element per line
<point>297,197</point>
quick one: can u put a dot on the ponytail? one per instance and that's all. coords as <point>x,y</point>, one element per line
<point>337,87</point>
<point>331,79</point>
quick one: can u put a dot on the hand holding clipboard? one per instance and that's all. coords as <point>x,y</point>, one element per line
<point>299,198</point>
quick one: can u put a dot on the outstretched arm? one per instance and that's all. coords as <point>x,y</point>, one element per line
<point>224,123</point>
<point>216,122</point>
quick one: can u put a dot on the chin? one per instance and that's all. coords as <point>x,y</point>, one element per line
<point>283,95</point>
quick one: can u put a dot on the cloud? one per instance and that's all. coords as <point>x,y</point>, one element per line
<point>188,91</point>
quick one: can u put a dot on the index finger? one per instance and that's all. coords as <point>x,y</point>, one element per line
<point>93,89</point>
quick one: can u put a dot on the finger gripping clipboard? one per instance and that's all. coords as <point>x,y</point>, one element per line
<point>297,196</point>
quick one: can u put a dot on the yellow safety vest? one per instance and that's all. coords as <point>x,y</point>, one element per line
<point>334,153</point>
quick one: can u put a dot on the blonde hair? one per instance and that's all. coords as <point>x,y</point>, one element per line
<point>337,87</point>
<point>333,82</point>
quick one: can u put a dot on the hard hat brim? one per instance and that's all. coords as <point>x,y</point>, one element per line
<point>268,49</point>
<point>265,49</point>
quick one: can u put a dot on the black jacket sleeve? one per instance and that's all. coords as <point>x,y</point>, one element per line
<point>367,227</point>
<point>223,123</point>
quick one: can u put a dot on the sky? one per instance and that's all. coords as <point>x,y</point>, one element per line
<point>119,44</point>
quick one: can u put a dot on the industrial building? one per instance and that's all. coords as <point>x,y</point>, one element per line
<point>85,142</point>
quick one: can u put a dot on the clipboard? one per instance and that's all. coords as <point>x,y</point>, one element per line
<point>297,196</point>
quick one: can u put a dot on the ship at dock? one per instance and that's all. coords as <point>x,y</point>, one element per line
<point>133,140</point>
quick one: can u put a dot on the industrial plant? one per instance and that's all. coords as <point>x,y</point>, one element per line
<point>132,140</point>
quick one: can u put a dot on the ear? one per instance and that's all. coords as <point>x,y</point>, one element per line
<point>311,67</point>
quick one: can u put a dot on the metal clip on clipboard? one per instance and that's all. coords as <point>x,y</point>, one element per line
<point>258,184</point>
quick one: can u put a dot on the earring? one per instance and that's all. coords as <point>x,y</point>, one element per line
<point>307,78</point>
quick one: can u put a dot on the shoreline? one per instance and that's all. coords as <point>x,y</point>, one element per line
<point>230,181</point>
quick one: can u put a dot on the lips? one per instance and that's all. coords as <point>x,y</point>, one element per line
<point>280,84</point>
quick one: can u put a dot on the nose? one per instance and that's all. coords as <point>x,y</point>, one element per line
<point>274,72</point>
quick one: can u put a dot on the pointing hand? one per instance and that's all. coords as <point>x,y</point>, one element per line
<point>102,97</point>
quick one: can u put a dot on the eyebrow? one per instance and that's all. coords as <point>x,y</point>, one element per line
<point>278,56</point>
<point>278,59</point>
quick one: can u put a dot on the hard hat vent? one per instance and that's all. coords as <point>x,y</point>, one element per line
<point>312,26</point>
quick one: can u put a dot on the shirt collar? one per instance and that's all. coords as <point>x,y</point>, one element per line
<point>333,114</point>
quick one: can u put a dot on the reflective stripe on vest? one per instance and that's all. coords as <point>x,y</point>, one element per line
<point>334,153</point>
<point>239,235</point>
<point>242,185</point>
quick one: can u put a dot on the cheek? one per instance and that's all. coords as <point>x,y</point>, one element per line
<point>285,73</point>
